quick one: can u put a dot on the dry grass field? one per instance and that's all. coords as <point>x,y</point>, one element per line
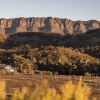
<point>17,81</point>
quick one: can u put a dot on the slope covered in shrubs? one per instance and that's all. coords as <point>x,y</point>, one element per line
<point>59,60</point>
<point>66,61</point>
<point>62,54</point>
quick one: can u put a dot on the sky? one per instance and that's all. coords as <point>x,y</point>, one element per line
<point>71,9</point>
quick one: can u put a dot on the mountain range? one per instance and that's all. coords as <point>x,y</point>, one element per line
<point>47,25</point>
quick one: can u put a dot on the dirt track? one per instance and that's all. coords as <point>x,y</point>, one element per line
<point>16,81</point>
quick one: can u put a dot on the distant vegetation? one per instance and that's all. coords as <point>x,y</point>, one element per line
<point>58,60</point>
<point>43,53</point>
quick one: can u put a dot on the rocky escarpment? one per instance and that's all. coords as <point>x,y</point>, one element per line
<point>49,25</point>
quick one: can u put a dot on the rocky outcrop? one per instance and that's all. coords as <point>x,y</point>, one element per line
<point>49,25</point>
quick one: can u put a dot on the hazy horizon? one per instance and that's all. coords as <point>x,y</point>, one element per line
<point>74,10</point>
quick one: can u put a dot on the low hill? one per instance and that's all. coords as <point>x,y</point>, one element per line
<point>90,38</point>
<point>88,42</point>
<point>64,54</point>
<point>50,58</point>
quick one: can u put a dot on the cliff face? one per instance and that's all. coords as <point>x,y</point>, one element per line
<point>49,25</point>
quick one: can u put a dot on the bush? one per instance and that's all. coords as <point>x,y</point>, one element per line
<point>43,91</point>
<point>23,65</point>
<point>88,74</point>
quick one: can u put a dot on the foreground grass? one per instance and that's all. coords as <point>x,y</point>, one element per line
<point>43,91</point>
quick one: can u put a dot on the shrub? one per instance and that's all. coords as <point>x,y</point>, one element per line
<point>42,91</point>
<point>2,90</point>
<point>88,74</point>
<point>23,65</point>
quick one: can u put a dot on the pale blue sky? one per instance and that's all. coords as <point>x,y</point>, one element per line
<point>72,9</point>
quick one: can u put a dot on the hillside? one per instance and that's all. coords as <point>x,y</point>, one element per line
<point>29,52</point>
<point>33,38</point>
<point>88,42</point>
<point>52,59</point>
